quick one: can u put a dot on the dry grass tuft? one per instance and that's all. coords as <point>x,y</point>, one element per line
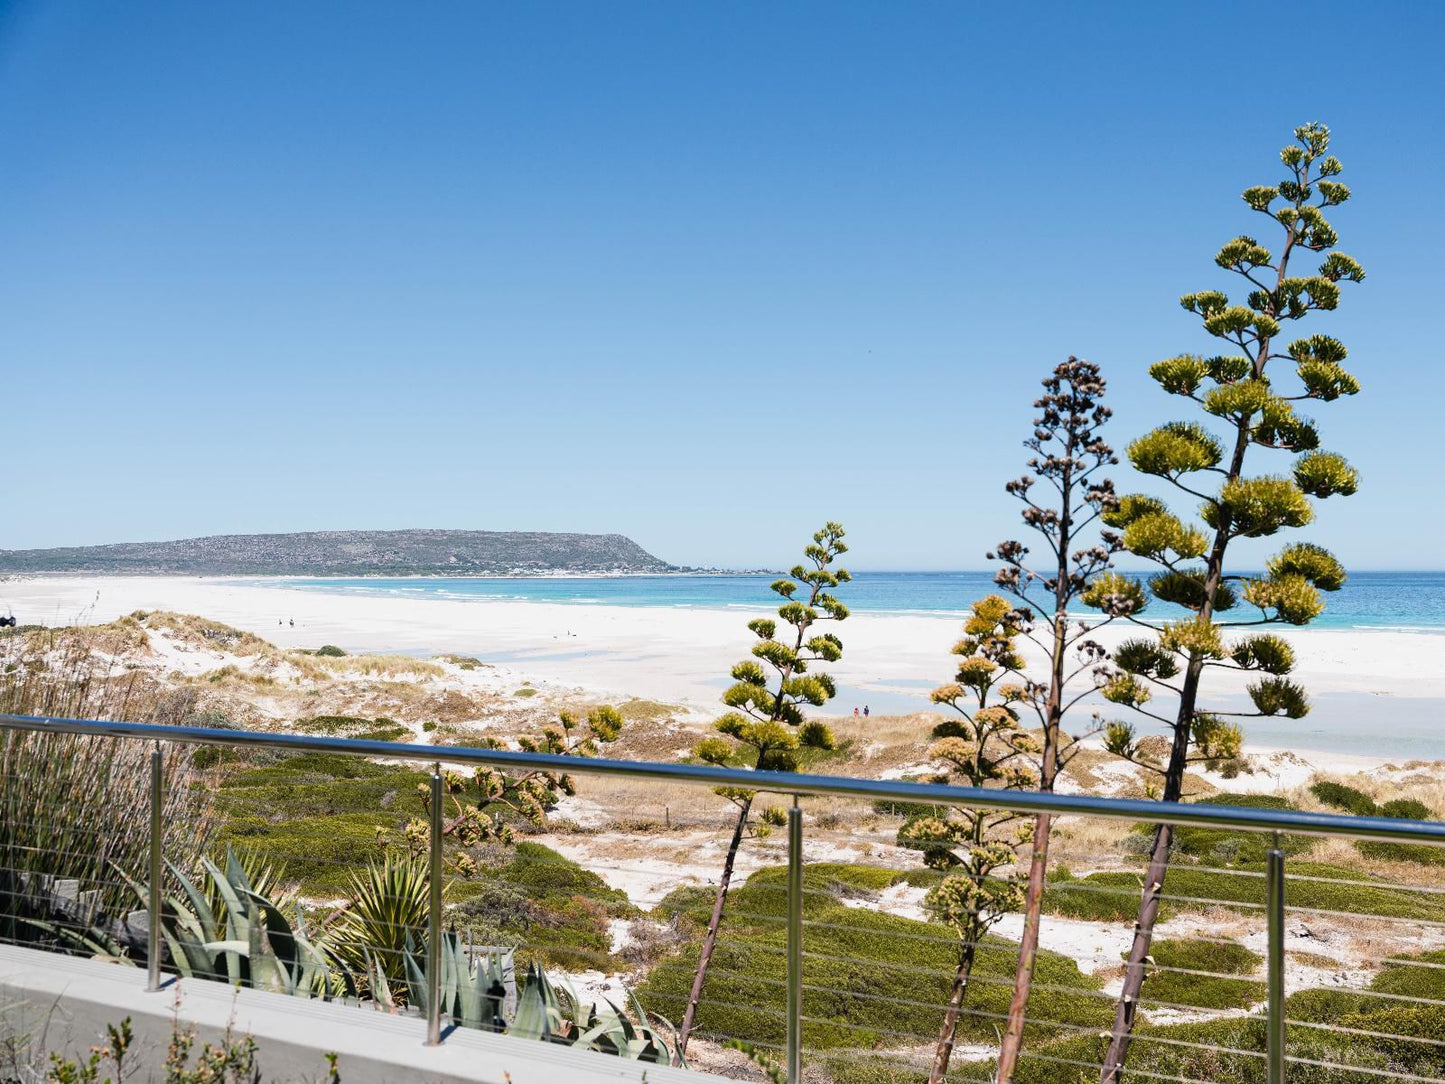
<point>391,667</point>
<point>202,632</point>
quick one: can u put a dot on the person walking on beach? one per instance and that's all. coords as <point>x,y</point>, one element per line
<point>865,711</point>
<point>855,712</point>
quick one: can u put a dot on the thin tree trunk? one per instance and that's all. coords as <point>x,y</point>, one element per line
<point>1128,1005</point>
<point>955,1006</point>
<point>1008,1053</point>
<point>711,940</point>
<point>1009,1047</point>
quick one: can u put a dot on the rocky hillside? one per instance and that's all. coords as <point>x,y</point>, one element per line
<point>349,553</point>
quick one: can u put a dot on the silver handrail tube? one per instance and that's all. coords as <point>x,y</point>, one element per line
<point>1129,809</point>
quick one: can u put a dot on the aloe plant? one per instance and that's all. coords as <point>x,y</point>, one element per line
<point>610,1031</point>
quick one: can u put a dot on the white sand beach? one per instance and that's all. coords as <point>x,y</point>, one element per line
<point>682,655</point>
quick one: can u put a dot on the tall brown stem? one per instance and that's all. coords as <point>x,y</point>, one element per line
<point>1048,769</point>
<point>710,941</point>
<point>944,1052</point>
<point>1127,1009</point>
<point>695,996</point>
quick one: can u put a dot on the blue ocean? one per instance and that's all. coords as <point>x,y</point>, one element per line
<point>1412,601</point>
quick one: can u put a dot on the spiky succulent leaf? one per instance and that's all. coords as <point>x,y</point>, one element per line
<point>1145,657</point>
<point>1214,738</point>
<point>1119,739</point>
<point>1289,597</point>
<point>1175,448</point>
<point>1186,587</point>
<point>1115,594</point>
<point>1130,507</point>
<point>1158,534</point>
<point>1125,689</point>
<point>1198,638</point>
<point>1181,375</point>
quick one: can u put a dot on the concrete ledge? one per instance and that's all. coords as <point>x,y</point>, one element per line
<point>66,1002</point>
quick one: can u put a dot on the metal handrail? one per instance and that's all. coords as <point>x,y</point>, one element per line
<point>1022,801</point>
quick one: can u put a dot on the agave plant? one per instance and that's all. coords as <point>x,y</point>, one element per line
<point>70,803</point>
<point>478,986</point>
<point>248,938</point>
<point>55,914</point>
<point>609,1030</point>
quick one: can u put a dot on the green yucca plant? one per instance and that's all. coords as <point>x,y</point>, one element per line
<point>389,907</point>
<point>766,725</point>
<point>1247,396</point>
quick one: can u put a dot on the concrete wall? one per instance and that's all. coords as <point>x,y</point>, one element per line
<point>66,1002</point>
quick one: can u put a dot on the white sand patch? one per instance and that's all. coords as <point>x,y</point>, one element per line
<point>1115,776</point>
<point>597,987</point>
<point>619,930</point>
<point>1272,771</point>
<point>1159,1015</point>
<point>646,880</point>
<point>908,771</point>
<point>1396,773</point>
<point>1094,946</point>
<point>904,900</point>
<point>683,859</point>
<point>581,812</point>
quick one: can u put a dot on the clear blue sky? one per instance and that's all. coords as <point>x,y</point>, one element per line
<point>703,274</point>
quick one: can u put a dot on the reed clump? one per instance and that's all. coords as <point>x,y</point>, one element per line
<point>77,807</point>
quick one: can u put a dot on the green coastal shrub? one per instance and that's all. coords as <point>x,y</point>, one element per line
<point>549,908</point>
<point>1232,1050</point>
<point>1220,1051</point>
<point>1220,846</point>
<point>1106,897</point>
<point>319,813</point>
<point>870,979</point>
<point>1197,974</point>
<point>1409,809</point>
<point>1344,798</point>
<point>1419,977</point>
<point>340,726</point>
<point>330,651</point>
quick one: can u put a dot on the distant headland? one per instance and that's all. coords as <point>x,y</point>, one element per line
<point>351,553</point>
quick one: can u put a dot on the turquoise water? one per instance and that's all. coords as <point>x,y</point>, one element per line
<point>1384,600</point>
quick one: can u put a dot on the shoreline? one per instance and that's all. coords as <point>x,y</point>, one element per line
<point>682,655</point>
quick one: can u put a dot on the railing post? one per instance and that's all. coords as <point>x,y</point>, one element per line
<point>153,890</point>
<point>795,943</point>
<point>156,863</point>
<point>1274,891</point>
<point>434,915</point>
